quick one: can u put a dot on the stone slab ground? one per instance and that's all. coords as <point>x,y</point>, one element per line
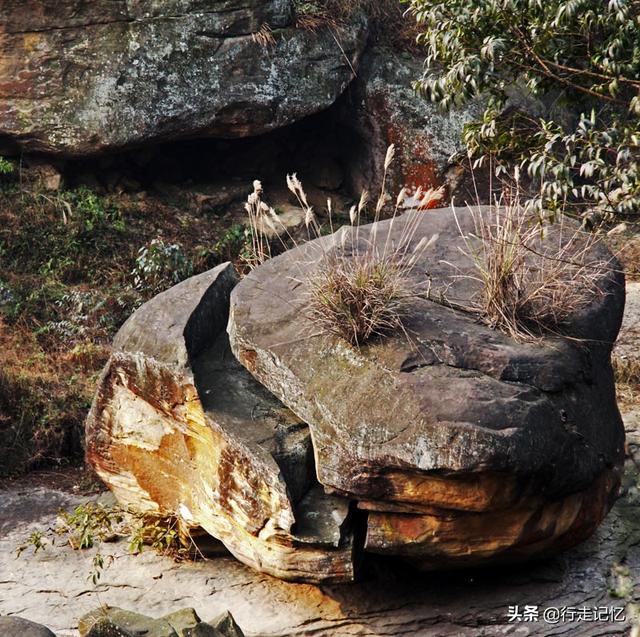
<point>53,588</point>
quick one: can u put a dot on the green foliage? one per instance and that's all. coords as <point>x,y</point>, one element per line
<point>40,416</point>
<point>158,533</point>
<point>36,540</point>
<point>65,289</point>
<point>91,212</point>
<point>89,524</point>
<point>584,55</point>
<point>6,167</point>
<point>160,265</point>
<point>98,565</point>
<point>60,236</point>
<point>232,242</point>
<point>309,8</point>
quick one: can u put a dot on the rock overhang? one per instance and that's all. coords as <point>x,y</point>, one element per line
<point>80,80</point>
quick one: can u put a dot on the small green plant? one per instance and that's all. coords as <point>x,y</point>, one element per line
<point>161,534</point>
<point>6,167</point>
<point>90,212</point>
<point>233,241</point>
<point>89,524</point>
<point>36,540</point>
<point>160,265</point>
<point>97,568</point>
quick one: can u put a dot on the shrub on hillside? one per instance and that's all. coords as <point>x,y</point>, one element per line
<point>159,266</point>
<point>583,55</point>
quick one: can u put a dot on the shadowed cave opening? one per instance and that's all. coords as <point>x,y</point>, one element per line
<point>324,149</point>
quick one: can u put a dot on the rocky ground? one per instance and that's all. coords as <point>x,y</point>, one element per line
<point>54,586</point>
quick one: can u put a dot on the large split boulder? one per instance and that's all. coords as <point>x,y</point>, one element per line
<point>448,443</point>
<point>463,445</point>
<point>179,429</point>
<point>80,77</point>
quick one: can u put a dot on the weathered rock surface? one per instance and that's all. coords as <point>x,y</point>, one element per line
<point>115,622</point>
<point>382,108</point>
<point>19,627</point>
<point>464,445</point>
<point>179,428</point>
<point>78,77</point>
<point>52,586</point>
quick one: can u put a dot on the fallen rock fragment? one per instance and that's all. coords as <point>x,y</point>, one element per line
<point>116,622</point>
<point>19,627</point>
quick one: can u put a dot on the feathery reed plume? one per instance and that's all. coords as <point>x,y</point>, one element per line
<point>389,157</point>
<point>363,286</point>
<point>531,283</point>
<point>260,215</point>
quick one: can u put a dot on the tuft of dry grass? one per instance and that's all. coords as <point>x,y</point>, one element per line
<point>626,370</point>
<point>629,255</point>
<point>531,283</point>
<point>261,217</point>
<point>362,287</point>
<point>264,36</point>
<point>356,298</point>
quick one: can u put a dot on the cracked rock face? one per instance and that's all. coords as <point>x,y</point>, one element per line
<point>463,445</point>
<point>383,108</point>
<point>179,428</point>
<point>451,445</point>
<point>78,77</point>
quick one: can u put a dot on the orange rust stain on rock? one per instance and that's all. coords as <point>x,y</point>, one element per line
<point>162,473</point>
<point>415,166</point>
<point>474,492</point>
<point>536,527</point>
<point>248,358</point>
<point>421,175</point>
